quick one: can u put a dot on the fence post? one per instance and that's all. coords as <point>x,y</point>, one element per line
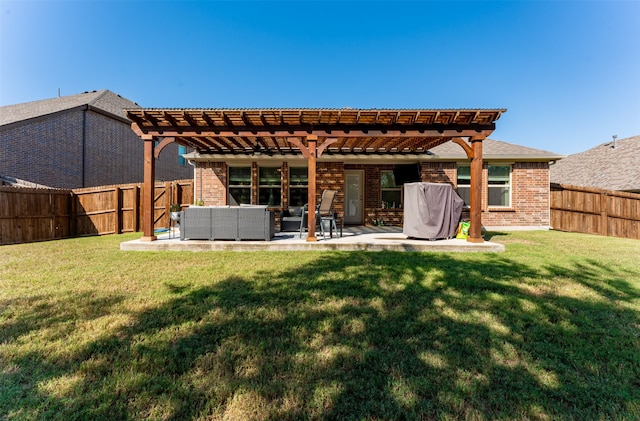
<point>73,215</point>
<point>118,215</point>
<point>136,208</point>
<point>168,197</point>
<point>604,217</point>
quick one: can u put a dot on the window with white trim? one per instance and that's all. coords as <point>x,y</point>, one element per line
<point>239,185</point>
<point>270,186</point>
<point>298,186</point>
<point>463,181</point>
<point>499,186</point>
<point>391,193</point>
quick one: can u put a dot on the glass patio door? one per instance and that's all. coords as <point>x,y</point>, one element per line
<point>353,197</point>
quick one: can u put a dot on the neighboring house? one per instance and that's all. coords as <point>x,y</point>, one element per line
<point>611,166</point>
<point>515,182</point>
<point>81,140</point>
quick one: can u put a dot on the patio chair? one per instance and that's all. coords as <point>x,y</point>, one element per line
<point>291,219</point>
<point>325,213</point>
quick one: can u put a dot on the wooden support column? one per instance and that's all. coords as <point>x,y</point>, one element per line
<point>312,152</point>
<point>475,229</point>
<point>312,143</point>
<point>474,153</point>
<point>148,189</point>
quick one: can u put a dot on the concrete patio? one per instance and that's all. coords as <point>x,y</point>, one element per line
<point>369,238</point>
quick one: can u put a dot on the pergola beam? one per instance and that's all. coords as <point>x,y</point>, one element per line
<point>300,132</point>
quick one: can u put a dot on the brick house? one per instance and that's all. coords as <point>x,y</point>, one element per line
<point>81,140</point>
<point>515,182</point>
<point>285,157</point>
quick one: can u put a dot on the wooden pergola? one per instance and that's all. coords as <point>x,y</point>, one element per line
<point>312,133</point>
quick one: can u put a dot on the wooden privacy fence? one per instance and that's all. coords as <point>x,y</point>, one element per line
<point>595,211</point>
<point>28,214</point>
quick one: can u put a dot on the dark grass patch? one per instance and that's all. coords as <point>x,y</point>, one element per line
<point>534,333</point>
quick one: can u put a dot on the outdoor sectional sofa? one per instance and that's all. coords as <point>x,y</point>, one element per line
<point>227,223</point>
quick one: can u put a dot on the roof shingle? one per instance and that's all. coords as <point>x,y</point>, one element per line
<point>607,166</point>
<point>104,100</point>
<point>496,149</point>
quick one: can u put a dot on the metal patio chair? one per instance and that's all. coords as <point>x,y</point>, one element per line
<point>325,215</point>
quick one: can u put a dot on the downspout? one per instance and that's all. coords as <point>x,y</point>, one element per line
<point>195,178</point>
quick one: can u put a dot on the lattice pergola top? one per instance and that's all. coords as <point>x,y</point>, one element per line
<point>232,131</point>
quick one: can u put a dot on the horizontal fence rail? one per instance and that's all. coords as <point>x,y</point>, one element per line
<point>34,214</point>
<point>595,211</point>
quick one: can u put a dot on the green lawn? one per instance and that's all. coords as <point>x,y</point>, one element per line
<point>550,329</point>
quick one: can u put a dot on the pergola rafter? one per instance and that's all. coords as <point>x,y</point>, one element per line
<point>314,132</point>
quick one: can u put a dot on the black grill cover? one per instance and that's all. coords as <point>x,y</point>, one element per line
<point>431,210</point>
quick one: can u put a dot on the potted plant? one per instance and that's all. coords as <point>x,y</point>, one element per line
<point>175,211</point>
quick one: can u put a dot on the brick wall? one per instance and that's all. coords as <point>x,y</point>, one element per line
<point>114,154</point>
<point>530,190</point>
<point>438,172</point>
<point>50,151</point>
<point>211,182</point>
<point>46,151</point>
<point>330,176</point>
<point>530,198</point>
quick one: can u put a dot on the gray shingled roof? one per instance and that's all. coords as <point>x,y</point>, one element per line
<point>103,100</point>
<point>604,167</point>
<point>496,149</point>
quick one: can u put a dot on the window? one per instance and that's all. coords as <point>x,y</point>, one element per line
<point>499,180</point>
<point>463,182</point>
<point>499,185</point>
<point>239,185</point>
<point>181,159</point>
<point>298,183</point>
<point>391,193</point>
<point>269,186</point>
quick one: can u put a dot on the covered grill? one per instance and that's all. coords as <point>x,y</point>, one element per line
<point>432,211</point>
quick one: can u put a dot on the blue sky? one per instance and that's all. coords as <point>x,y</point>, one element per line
<point>568,72</point>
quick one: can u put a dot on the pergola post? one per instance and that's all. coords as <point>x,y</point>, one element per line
<point>312,143</point>
<point>148,189</point>
<point>475,205</point>
<point>474,153</point>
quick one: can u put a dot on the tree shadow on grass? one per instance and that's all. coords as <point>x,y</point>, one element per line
<point>357,336</point>
<point>44,312</point>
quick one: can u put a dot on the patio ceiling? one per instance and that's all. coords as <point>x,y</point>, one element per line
<point>355,131</point>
